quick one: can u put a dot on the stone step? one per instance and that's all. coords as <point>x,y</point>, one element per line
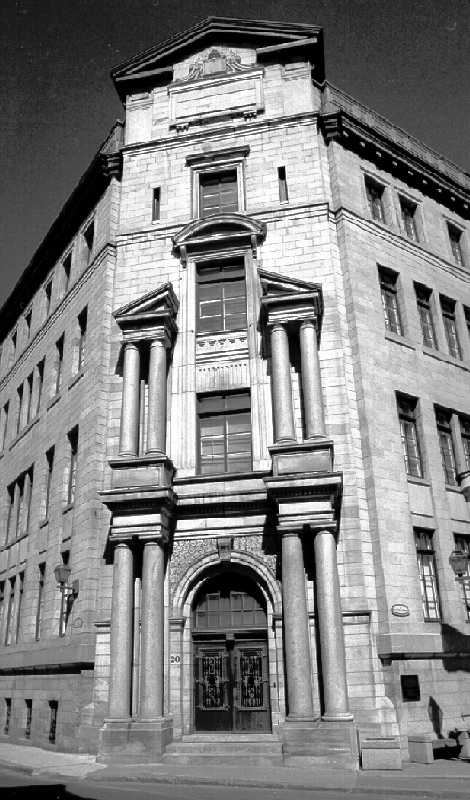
<point>234,738</point>
<point>202,749</point>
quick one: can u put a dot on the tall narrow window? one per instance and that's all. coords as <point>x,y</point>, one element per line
<point>467,319</point>
<point>28,718</point>
<point>388,289</point>
<point>12,513</point>
<point>53,709</point>
<point>40,604</point>
<point>58,366</point>
<point>156,203</point>
<point>48,480</point>
<point>19,417</point>
<point>282,184</point>
<point>89,237</point>
<point>409,435</point>
<point>10,612</point>
<point>6,726</point>
<point>19,610</point>
<point>72,467</point>
<point>39,385</point>
<point>28,317</point>
<point>375,193</point>
<point>47,298</point>
<point>81,344</point>
<point>408,218</point>
<point>450,328</point>
<point>447,446</point>
<point>218,193</point>
<point>465,434</point>
<point>423,299</point>
<point>427,574</point>
<point>14,341</point>
<point>29,397</point>
<point>3,425</point>
<point>221,297</point>
<point>462,544</point>
<point>224,433</point>
<point>64,600</point>
<point>2,603</point>
<point>66,270</point>
<point>455,239</point>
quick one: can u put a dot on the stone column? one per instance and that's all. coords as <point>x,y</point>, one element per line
<point>296,629</point>
<point>330,626</point>
<point>156,429</point>
<point>281,386</point>
<point>121,633</point>
<point>311,381</point>
<point>151,677</point>
<point>129,437</point>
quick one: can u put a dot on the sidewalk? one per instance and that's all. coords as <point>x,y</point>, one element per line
<point>443,778</point>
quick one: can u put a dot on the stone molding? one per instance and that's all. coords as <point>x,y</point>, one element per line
<point>217,231</point>
<point>150,317</point>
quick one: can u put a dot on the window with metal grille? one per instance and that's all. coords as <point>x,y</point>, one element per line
<point>375,193</point>
<point>53,710</point>
<point>450,327</point>
<point>427,574</point>
<point>446,445</point>
<point>462,544</point>
<point>409,435</point>
<point>388,289</point>
<point>218,192</point>
<point>224,433</point>
<point>455,239</point>
<point>408,211</point>
<point>221,297</point>
<point>423,299</point>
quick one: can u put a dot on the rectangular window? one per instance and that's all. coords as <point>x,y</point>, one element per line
<point>10,612</point>
<point>19,417</point>
<point>29,397</point>
<point>408,218</point>
<point>72,467</point>
<point>89,237</point>
<point>6,727</point>
<point>218,192</point>
<point>224,433</point>
<point>47,298</point>
<point>58,366</point>
<point>67,271</point>
<point>40,605</point>
<point>450,328</point>
<point>39,384</point>
<point>465,434</point>
<point>462,544</point>
<point>81,344</point>
<point>20,606</point>
<point>3,425</point>
<point>446,444</point>
<point>423,299</point>
<point>427,574</point>
<point>409,435</point>
<point>410,691</point>
<point>388,289</point>
<point>28,719</point>
<point>455,239</point>
<point>375,193</point>
<point>48,480</point>
<point>221,297</point>
<point>282,183</point>
<point>156,203</point>
<point>28,318</point>
<point>53,709</point>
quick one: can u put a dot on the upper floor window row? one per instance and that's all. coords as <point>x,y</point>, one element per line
<point>389,209</point>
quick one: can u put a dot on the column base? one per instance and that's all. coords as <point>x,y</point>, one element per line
<point>319,742</point>
<point>134,741</point>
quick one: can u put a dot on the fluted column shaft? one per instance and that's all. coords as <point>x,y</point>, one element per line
<point>156,429</point>
<point>330,626</point>
<point>311,381</point>
<point>151,678</point>
<point>129,437</point>
<point>121,632</point>
<point>281,386</point>
<point>296,628</point>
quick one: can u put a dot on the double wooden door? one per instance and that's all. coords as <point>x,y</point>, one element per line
<point>231,686</point>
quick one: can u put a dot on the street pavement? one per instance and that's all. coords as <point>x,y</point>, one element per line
<point>34,773</point>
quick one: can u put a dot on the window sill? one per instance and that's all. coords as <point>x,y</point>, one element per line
<point>75,378</point>
<point>450,487</point>
<point>67,508</point>
<point>44,522</point>
<point>11,542</point>
<point>399,339</point>
<point>23,432</point>
<point>54,400</point>
<point>418,481</point>
<point>440,356</point>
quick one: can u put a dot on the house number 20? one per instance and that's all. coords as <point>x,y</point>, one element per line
<point>175,659</point>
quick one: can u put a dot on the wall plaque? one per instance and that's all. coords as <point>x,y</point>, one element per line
<point>400,610</point>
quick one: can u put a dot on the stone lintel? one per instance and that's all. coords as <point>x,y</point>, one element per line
<point>291,309</point>
<point>141,471</point>
<point>148,328</point>
<point>313,456</point>
<point>296,487</point>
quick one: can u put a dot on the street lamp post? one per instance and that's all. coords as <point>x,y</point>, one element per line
<point>62,574</point>
<point>459,560</point>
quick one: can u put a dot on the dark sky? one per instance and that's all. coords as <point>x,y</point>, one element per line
<point>407,59</point>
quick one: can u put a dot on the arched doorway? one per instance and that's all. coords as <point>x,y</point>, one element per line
<point>231,675</point>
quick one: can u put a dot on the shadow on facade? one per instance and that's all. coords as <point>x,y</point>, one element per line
<point>455,642</point>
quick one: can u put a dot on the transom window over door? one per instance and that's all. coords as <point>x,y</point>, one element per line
<point>218,192</point>
<point>224,433</point>
<point>221,297</point>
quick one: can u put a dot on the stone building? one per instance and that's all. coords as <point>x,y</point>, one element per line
<point>235,413</point>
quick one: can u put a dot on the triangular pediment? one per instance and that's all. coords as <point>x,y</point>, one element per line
<point>159,303</point>
<point>273,284</point>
